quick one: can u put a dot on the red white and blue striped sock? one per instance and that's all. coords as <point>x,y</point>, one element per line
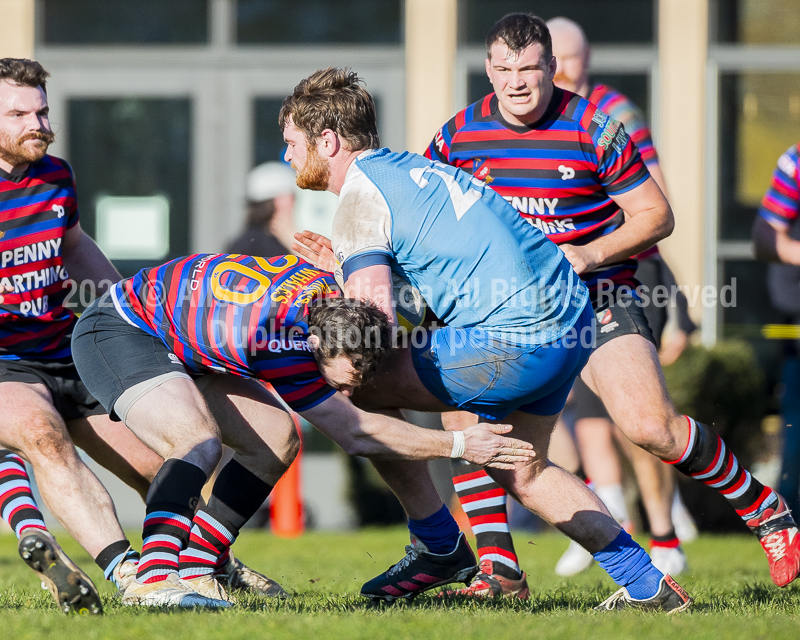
<point>706,458</point>
<point>484,502</point>
<point>171,502</point>
<point>165,533</point>
<point>236,496</point>
<point>209,542</point>
<point>17,506</point>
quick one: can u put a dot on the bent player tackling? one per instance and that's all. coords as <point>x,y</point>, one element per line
<point>155,350</point>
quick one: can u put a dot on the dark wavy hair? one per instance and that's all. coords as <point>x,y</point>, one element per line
<point>353,328</point>
<point>28,73</point>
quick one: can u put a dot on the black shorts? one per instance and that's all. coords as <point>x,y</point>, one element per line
<point>70,396</point>
<point>114,356</point>
<point>650,275</point>
<point>617,314</point>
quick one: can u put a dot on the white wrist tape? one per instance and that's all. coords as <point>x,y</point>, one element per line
<point>459,444</point>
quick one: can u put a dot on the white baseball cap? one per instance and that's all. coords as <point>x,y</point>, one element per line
<point>269,180</point>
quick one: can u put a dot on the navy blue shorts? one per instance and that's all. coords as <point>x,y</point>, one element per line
<point>472,371</point>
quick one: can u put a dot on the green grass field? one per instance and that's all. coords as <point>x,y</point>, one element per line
<point>734,598</point>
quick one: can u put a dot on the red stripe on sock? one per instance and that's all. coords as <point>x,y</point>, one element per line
<point>470,476</point>
<point>713,462</point>
<point>202,542</point>
<point>492,518</point>
<point>211,530</point>
<point>485,551</point>
<point>22,508</point>
<point>19,473</point>
<point>756,503</point>
<point>736,485</point>
<point>174,522</point>
<point>483,495</point>
<point>148,546</point>
<point>145,564</point>
<point>33,525</point>
<point>155,579</point>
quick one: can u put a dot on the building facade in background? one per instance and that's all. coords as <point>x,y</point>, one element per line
<point>175,101</point>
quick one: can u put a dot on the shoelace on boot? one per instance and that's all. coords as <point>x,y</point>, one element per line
<point>412,553</point>
<point>775,544</point>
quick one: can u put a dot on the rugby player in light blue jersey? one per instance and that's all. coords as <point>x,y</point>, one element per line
<point>517,328</point>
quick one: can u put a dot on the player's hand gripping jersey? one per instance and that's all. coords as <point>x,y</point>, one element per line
<point>558,173</point>
<point>237,314</point>
<point>476,262</point>
<point>36,209</point>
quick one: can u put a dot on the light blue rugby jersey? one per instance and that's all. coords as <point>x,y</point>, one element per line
<point>474,259</point>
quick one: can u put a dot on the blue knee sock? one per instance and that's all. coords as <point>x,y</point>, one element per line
<point>438,532</point>
<point>630,567</point>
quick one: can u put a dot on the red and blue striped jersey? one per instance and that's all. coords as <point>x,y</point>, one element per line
<point>621,108</point>
<point>558,172</point>
<point>781,203</point>
<point>36,209</point>
<point>230,313</point>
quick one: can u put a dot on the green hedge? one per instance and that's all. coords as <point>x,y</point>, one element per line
<point>723,387</point>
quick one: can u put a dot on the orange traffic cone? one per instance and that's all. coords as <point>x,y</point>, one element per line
<point>286,509</point>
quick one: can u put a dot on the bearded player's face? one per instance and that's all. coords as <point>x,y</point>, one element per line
<point>313,171</point>
<point>522,81</point>
<point>25,132</point>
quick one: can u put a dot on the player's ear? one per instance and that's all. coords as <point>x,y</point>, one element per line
<point>488,66</point>
<point>313,342</point>
<point>331,143</point>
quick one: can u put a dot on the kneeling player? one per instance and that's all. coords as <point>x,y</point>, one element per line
<point>152,351</point>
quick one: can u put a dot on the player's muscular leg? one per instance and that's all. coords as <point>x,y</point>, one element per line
<point>31,427</point>
<point>557,496</point>
<point>252,423</point>
<point>116,448</point>
<point>625,373</point>
<point>627,376</point>
<point>174,420</point>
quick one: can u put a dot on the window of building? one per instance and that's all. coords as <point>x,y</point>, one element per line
<point>100,22</point>
<point>606,22</point>
<point>268,144</point>
<point>759,120</point>
<point>755,21</point>
<point>133,147</point>
<point>319,22</point>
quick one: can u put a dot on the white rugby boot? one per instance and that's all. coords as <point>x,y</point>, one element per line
<point>171,592</point>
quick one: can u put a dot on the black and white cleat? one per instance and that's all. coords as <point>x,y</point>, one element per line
<point>71,588</point>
